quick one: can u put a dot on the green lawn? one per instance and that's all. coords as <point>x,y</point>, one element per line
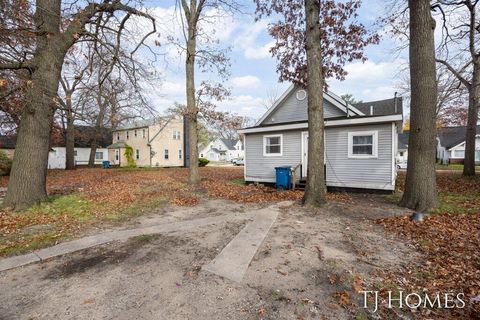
<point>454,167</point>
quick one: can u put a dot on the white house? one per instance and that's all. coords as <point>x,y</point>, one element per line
<point>223,150</point>
<point>451,145</point>
<point>57,157</point>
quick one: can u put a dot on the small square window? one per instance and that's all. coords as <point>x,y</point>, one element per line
<point>166,154</point>
<point>272,145</point>
<point>99,155</point>
<point>75,153</point>
<point>176,135</point>
<point>362,144</point>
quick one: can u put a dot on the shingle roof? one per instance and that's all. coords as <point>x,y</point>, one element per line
<point>381,107</point>
<point>117,145</point>
<point>83,137</point>
<point>452,136</point>
<point>403,140</point>
<point>142,123</point>
<point>216,150</point>
<point>230,143</point>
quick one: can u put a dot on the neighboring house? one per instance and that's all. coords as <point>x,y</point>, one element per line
<point>402,152</point>
<point>451,145</point>
<point>222,150</point>
<point>155,143</point>
<point>360,149</point>
<point>58,152</point>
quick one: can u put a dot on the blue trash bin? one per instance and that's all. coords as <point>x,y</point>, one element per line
<point>106,164</point>
<point>283,177</point>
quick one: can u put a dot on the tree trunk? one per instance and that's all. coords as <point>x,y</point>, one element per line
<point>27,184</point>
<point>471,132</point>
<point>69,136</point>
<point>192,111</point>
<point>420,185</point>
<point>102,105</point>
<point>315,191</point>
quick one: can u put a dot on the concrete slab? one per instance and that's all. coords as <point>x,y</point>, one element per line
<point>17,261</point>
<point>233,261</point>
<point>118,235</point>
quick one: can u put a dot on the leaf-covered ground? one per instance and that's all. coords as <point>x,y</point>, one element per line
<point>449,242</point>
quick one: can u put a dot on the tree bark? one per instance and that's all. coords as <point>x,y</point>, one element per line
<point>69,136</point>
<point>192,111</point>
<point>420,186</point>
<point>27,183</point>
<point>315,191</point>
<point>472,119</point>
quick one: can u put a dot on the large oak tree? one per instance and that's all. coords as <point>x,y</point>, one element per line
<point>54,34</point>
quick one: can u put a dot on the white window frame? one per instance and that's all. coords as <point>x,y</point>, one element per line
<point>374,135</point>
<point>97,153</point>
<point>166,155</point>
<point>137,154</point>
<point>265,154</point>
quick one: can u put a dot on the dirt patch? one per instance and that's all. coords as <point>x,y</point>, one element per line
<point>309,267</point>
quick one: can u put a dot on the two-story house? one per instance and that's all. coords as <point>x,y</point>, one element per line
<point>222,149</point>
<point>155,143</point>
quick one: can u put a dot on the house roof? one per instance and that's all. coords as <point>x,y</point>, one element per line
<point>83,137</point>
<point>230,143</point>
<point>327,95</point>
<point>117,145</point>
<point>403,140</point>
<point>143,123</point>
<point>451,136</point>
<point>8,142</point>
<point>382,107</point>
<point>217,151</point>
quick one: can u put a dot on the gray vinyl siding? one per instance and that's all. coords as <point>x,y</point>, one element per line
<point>351,172</point>
<point>341,171</point>
<point>292,109</point>
<point>261,168</point>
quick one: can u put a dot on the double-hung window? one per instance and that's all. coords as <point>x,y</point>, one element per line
<point>363,144</point>
<point>137,154</point>
<point>176,135</point>
<point>180,154</point>
<point>166,154</point>
<point>99,155</point>
<point>273,145</point>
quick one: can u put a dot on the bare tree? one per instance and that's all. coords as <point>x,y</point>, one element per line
<point>200,49</point>
<point>420,185</point>
<point>55,32</point>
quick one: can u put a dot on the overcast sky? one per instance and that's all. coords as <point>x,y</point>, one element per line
<point>253,69</point>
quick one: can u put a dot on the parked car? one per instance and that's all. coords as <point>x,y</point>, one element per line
<point>239,162</point>
<point>402,165</point>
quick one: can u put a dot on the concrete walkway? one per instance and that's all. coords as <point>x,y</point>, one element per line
<point>233,261</point>
<point>117,235</point>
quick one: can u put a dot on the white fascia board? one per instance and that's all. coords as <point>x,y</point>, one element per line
<point>340,103</point>
<point>328,123</point>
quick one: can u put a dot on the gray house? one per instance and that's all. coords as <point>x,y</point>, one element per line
<point>451,145</point>
<point>360,148</point>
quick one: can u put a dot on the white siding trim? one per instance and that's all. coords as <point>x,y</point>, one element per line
<point>328,123</point>
<point>265,154</point>
<point>394,152</point>
<point>245,158</point>
<point>361,185</point>
<point>374,135</point>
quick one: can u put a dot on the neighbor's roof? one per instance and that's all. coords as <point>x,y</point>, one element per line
<point>143,123</point>
<point>403,140</point>
<point>217,151</point>
<point>117,145</point>
<point>382,107</point>
<point>8,142</point>
<point>452,136</point>
<point>83,137</point>
<point>230,143</point>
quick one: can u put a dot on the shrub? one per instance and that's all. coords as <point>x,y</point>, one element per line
<point>5,164</point>
<point>129,155</point>
<point>202,162</point>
